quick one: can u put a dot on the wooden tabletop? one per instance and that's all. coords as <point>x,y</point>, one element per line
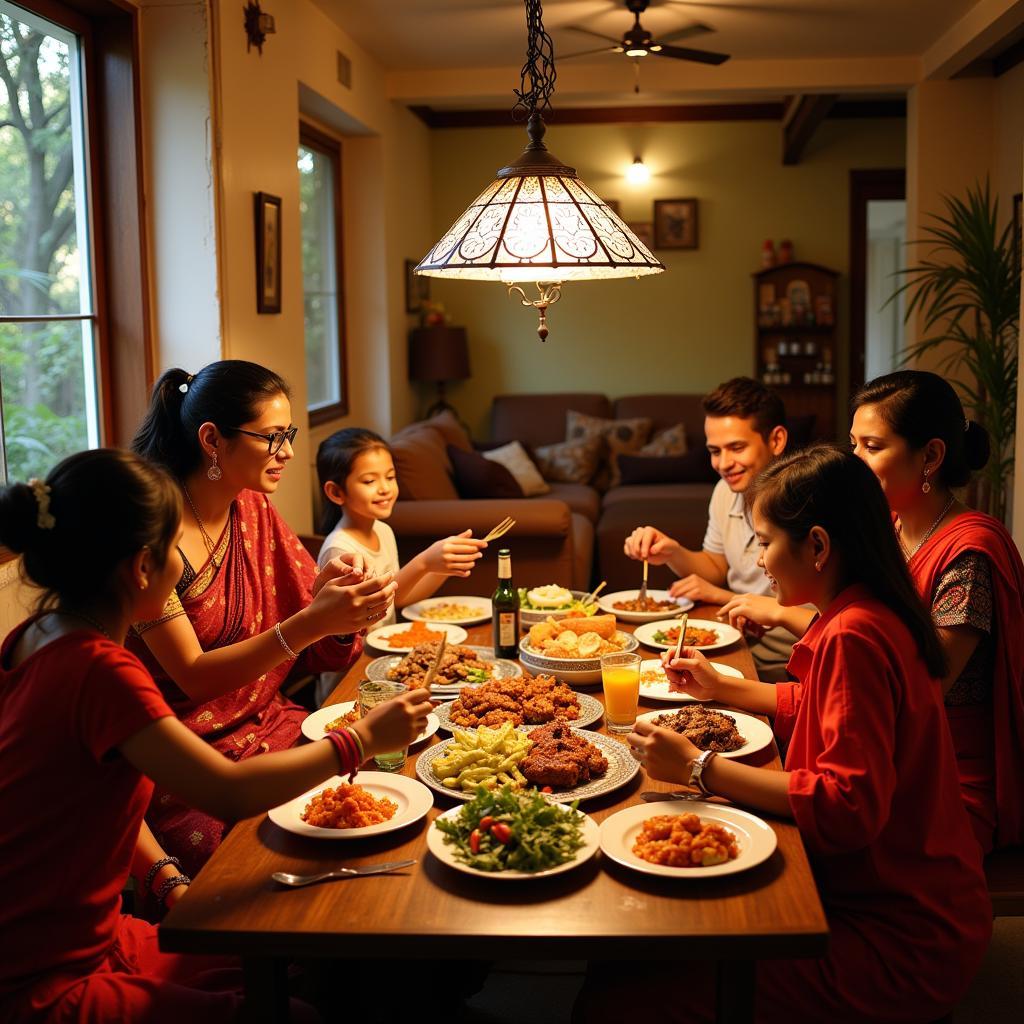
<point>599,910</point>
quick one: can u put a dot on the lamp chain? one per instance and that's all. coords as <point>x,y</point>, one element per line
<point>537,78</point>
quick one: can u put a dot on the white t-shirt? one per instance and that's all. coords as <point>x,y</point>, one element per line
<point>385,559</point>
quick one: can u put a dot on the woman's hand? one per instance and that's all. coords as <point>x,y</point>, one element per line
<point>692,673</point>
<point>454,556</point>
<point>348,568</point>
<point>645,542</point>
<point>665,754</point>
<point>394,724</point>
<point>344,606</point>
<point>752,613</point>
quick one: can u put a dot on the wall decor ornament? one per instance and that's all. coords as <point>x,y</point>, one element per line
<point>268,253</point>
<point>675,224</point>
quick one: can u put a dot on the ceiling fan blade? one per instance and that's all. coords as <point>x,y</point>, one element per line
<point>591,32</point>
<point>684,53</point>
<point>584,53</point>
<point>688,32</point>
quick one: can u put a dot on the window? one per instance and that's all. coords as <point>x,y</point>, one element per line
<point>48,376</point>
<point>320,206</point>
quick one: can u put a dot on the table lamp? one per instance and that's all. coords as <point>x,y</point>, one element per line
<point>438,354</point>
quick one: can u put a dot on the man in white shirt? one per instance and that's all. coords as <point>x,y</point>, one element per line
<point>744,426</point>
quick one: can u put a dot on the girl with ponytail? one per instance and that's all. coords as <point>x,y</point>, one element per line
<point>249,607</point>
<point>84,730</point>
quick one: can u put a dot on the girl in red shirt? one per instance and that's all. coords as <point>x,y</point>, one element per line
<point>83,730</point>
<point>870,776</point>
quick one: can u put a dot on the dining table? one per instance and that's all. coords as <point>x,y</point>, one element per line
<point>600,910</point>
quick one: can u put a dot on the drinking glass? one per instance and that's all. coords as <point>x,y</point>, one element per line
<point>620,674</point>
<point>371,693</point>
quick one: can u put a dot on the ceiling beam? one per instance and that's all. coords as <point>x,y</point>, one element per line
<point>800,122</point>
<point>983,27</point>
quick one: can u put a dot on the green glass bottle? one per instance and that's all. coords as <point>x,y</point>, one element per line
<point>506,610</point>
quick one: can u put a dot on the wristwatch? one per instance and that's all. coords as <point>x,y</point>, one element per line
<point>697,767</point>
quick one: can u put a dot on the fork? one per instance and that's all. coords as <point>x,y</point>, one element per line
<point>297,881</point>
<point>501,529</point>
<point>642,596</point>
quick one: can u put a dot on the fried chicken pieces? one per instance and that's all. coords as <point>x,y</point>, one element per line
<point>560,758</point>
<point>524,700</point>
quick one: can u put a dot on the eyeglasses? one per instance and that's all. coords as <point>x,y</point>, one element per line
<point>275,441</point>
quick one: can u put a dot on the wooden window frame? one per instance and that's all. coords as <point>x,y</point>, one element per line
<point>109,33</point>
<point>327,145</point>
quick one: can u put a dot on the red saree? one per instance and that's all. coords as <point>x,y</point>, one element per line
<point>258,574</point>
<point>988,738</point>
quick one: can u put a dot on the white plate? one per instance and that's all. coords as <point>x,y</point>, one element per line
<point>314,725</point>
<point>754,837</point>
<point>658,690</point>
<point>727,635</point>
<point>444,853</point>
<point>482,613</point>
<point>412,797</point>
<point>591,711</point>
<point>622,767</point>
<point>753,730</point>
<point>607,602</point>
<point>379,637</point>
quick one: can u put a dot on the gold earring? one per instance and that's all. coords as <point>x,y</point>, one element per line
<point>926,487</point>
<point>143,584</point>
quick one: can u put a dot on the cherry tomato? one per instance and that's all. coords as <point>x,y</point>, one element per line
<point>546,789</point>
<point>474,840</point>
<point>486,822</point>
<point>501,832</point>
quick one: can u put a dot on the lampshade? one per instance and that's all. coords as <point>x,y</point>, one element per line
<point>438,354</point>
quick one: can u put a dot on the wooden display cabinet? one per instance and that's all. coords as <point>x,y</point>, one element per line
<point>795,339</point>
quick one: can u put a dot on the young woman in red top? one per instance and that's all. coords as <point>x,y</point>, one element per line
<point>83,730</point>
<point>870,776</point>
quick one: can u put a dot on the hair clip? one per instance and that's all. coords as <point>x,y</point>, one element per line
<point>183,388</point>
<point>967,425</point>
<point>41,491</point>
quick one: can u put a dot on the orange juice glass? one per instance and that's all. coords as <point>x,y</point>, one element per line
<point>620,674</point>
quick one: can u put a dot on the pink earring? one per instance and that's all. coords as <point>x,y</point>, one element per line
<point>926,487</point>
<point>214,472</point>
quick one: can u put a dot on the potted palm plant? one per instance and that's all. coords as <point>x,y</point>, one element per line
<point>967,290</point>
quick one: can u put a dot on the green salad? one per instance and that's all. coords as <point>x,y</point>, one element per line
<point>501,830</point>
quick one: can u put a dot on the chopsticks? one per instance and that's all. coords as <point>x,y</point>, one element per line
<point>683,619</point>
<point>501,529</point>
<point>428,679</point>
<point>597,590</point>
<point>642,596</point>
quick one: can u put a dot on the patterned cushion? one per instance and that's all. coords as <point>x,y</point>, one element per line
<point>619,436</point>
<point>570,462</point>
<point>668,442</point>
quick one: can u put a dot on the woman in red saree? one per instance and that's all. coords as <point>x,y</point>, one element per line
<point>249,608</point>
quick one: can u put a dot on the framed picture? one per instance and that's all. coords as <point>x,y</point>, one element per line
<point>1017,227</point>
<point>268,253</point>
<point>644,230</point>
<point>417,288</point>
<point>675,224</point>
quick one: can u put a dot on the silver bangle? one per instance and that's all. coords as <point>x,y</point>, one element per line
<point>697,768</point>
<point>284,643</point>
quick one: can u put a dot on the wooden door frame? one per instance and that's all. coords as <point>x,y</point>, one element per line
<point>865,186</point>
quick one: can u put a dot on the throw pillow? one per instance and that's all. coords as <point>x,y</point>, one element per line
<point>421,463</point>
<point>569,462</point>
<point>447,424</point>
<point>668,442</point>
<point>477,477</point>
<point>619,435</point>
<point>514,458</point>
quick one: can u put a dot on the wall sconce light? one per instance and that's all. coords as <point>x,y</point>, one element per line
<point>638,173</point>
<point>258,26</point>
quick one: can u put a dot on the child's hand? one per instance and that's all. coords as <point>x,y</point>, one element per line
<point>454,556</point>
<point>692,674</point>
<point>346,569</point>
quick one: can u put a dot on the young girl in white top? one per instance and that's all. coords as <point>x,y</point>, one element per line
<point>357,476</point>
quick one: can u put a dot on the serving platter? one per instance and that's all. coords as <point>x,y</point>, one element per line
<point>380,637</point>
<point>622,767</point>
<point>531,616</point>
<point>413,799</point>
<point>574,671</point>
<point>502,669</point>
<point>607,603</point>
<point>314,726</point>
<point>727,635</point>
<point>591,711</point>
<point>478,609</point>
<point>756,734</point>
<point>755,838</point>
<point>655,686</point>
<point>444,853</point>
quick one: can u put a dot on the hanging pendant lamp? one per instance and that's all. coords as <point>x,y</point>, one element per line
<point>537,222</point>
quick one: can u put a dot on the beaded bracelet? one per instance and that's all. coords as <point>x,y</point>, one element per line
<point>151,873</point>
<point>284,643</point>
<point>168,885</point>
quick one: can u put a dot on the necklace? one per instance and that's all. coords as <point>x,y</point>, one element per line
<point>931,529</point>
<point>202,526</point>
<point>85,618</point>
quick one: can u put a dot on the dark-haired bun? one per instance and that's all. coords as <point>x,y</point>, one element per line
<point>977,448</point>
<point>18,514</point>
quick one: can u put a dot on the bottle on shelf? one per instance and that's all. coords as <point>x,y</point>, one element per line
<point>785,251</point>
<point>505,616</point>
<point>768,258</point>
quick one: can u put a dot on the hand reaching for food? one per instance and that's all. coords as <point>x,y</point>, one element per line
<point>752,613</point>
<point>394,724</point>
<point>691,673</point>
<point>645,542</point>
<point>698,590</point>
<point>665,754</point>
<point>346,569</point>
<point>456,555</point>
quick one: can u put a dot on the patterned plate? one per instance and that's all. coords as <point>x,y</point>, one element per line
<point>622,767</point>
<point>503,669</point>
<point>591,711</point>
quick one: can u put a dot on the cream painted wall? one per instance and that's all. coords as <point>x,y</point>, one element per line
<point>686,329</point>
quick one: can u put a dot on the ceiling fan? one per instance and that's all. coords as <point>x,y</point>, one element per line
<point>637,42</point>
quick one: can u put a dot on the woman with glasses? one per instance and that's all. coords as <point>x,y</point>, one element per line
<point>250,607</point>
